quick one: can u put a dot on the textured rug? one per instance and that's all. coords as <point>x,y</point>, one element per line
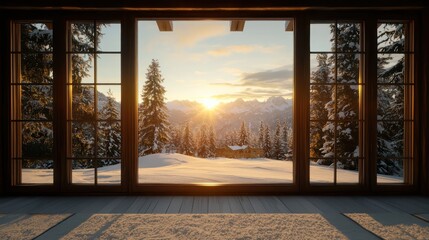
<point>27,226</point>
<point>205,226</point>
<point>392,226</point>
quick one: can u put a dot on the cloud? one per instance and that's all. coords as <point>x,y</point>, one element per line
<point>274,78</point>
<point>195,32</point>
<point>252,93</point>
<point>228,50</point>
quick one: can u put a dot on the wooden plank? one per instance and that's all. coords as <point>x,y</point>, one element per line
<point>162,204</point>
<point>164,25</point>
<point>247,205</point>
<point>66,226</point>
<point>273,205</point>
<point>149,205</point>
<point>109,204</point>
<point>200,205</point>
<point>214,206</point>
<point>298,204</point>
<point>136,205</point>
<point>224,206</point>
<point>289,25</point>
<point>175,205</point>
<point>187,205</point>
<point>235,205</point>
<point>237,25</point>
<point>348,227</point>
<point>257,204</point>
<point>124,204</point>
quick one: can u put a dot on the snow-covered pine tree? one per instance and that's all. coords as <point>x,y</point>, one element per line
<point>175,139</point>
<point>344,104</point>
<point>243,136</point>
<point>284,141</point>
<point>36,100</point>
<point>187,146</point>
<point>153,124</point>
<point>83,140</point>
<point>203,143</point>
<point>290,144</point>
<point>212,143</point>
<point>277,144</point>
<point>267,142</point>
<point>109,132</point>
<point>261,135</point>
<point>320,94</point>
<point>391,38</point>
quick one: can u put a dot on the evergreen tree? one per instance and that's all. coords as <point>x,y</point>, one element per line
<point>344,104</point>
<point>284,141</point>
<point>212,143</point>
<point>390,137</point>
<point>243,137</point>
<point>290,144</point>
<point>203,143</point>
<point>109,132</point>
<point>153,124</point>
<point>187,146</point>
<point>261,135</point>
<point>277,144</point>
<point>175,139</point>
<point>267,143</point>
<point>320,95</point>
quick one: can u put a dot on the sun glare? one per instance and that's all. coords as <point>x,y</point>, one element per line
<point>210,103</point>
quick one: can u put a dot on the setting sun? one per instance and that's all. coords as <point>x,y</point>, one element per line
<point>210,103</point>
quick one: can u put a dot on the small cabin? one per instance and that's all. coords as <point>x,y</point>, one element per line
<point>244,151</point>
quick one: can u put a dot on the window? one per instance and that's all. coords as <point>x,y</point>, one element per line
<point>336,94</point>
<point>216,104</point>
<point>32,103</point>
<point>395,87</point>
<point>94,102</point>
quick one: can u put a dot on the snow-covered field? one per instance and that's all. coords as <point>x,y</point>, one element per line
<point>178,168</point>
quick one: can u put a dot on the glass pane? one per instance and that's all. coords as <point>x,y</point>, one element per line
<point>108,68</point>
<point>390,139</point>
<point>390,102</point>
<point>347,140</point>
<point>37,139</point>
<point>348,68</point>
<point>82,68</point>
<point>391,37</point>
<point>110,37</point>
<point>36,102</point>
<point>228,103</point>
<point>83,102</point>
<point>36,68</point>
<point>36,37</point>
<point>348,171</point>
<point>109,102</point>
<point>390,171</point>
<point>83,139</point>
<point>322,37</point>
<point>322,105</point>
<point>391,68</point>
<point>37,171</point>
<point>322,68</point>
<point>83,171</point>
<point>109,139</point>
<point>348,37</point>
<point>322,171</point>
<point>347,102</point>
<point>109,171</point>
<point>317,141</point>
<point>82,37</point>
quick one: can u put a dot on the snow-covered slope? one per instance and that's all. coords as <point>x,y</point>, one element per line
<point>177,168</point>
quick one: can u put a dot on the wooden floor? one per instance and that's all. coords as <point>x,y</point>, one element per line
<point>332,208</point>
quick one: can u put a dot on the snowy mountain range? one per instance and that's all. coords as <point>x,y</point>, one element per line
<point>228,116</point>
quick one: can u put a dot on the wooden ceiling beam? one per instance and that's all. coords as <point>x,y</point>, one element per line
<point>165,25</point>
<point>237,25</point>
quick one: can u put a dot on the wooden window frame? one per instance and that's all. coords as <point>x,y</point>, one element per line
<point>302,19</point>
